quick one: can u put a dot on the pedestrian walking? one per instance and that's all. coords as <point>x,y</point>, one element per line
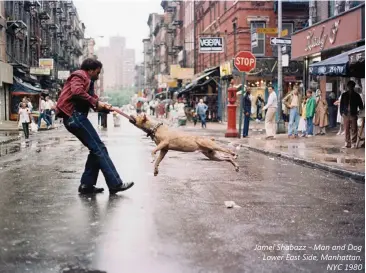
<point>75,93</point>
<point>270,120</point>
<point>24,117</point>
<point>321,119</point>
<point>49,107</point>
<point>351,103</point>
<point>302,122</point>
<point>310,112</point>
<point>201,110</point>
<point>247,106</point>
<point>42,115</point>
<point>293,102</point>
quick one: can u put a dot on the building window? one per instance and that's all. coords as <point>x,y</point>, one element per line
<point>331,8</point>
<point>260,49</point>
<point>290,28</point>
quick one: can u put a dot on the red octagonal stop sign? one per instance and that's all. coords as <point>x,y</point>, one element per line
<point>245,61</point>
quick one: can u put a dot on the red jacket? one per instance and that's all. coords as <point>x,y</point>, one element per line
<point>77,85</point>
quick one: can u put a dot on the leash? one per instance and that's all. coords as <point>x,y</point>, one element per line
<point>122,113</point>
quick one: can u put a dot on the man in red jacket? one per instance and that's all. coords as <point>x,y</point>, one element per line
<point>73,106</point>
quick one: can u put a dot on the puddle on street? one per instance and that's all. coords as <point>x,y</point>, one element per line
<point>9,134</point>
<point>8,149</point>
<point>344,160</point>
<point>331,150</point>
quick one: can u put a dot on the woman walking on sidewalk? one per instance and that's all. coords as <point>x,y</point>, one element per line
<point>24,116</point>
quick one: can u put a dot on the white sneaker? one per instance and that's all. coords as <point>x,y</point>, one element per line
<point>309,135</point>
<point>354,146</point>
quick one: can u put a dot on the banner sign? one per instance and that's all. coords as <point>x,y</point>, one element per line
<point>42,71</point>
<point>46,63</point>
<point>211,45</point>
<point>63,75</point>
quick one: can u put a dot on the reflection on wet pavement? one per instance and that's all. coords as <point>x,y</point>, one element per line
<point>175,222</point>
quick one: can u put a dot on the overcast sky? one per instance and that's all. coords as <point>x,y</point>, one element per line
<point>127,18</point>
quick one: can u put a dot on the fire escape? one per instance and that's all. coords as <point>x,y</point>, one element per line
<point>77,35</point>
<point>177,23</point>
<point>170,11</point>
<point>34,47</point>
<point>17,28</point>
<point>44,16</point>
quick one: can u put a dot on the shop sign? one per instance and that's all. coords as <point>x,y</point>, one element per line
<point>63,75</point>
<point>211,44</point>
<point>42,71</point>
<point>332,33</point>
<point>328,70</point>
<point>314,39</point>
<point>46,63</point>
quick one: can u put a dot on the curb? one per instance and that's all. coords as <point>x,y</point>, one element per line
<point>357,176</point>
<point>9,140</point>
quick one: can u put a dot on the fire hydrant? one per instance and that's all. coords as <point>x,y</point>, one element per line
<point>231,112</point>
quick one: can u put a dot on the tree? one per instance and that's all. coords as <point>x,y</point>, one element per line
<point>120,97</point>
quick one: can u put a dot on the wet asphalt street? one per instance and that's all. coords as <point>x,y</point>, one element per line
<point>175,222</point>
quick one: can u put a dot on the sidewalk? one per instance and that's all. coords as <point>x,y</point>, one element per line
<point>323,152</point>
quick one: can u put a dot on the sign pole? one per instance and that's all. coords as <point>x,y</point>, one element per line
<point>241,104</point>
<point>280,122</point>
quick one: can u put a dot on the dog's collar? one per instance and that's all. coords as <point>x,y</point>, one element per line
<point>153,130</point>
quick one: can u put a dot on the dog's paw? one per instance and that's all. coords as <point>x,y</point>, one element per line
<point>237,169</point>
<point>156,172</point>
<point>236,156</point>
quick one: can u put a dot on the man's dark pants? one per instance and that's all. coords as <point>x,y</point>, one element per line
<point>246,125</point>
<point>98,158</point>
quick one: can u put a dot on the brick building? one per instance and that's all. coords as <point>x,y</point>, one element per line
<point>40,40</point>
<point>341,25</point>
<point>235,21</point>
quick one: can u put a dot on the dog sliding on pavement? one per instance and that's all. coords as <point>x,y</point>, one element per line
<point>167,139</point>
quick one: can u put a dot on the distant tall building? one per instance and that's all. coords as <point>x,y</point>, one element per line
<point>118,63</point>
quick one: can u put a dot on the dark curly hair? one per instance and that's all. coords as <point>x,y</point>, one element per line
<point>91,64</point>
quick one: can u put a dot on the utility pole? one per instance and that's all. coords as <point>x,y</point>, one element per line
<point>280,122</point>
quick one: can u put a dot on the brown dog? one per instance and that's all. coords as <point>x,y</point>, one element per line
<point>167,139</point>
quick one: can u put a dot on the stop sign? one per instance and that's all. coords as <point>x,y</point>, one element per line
<point>245,61</point>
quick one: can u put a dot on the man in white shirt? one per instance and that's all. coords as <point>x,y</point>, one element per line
<point>42,114</point>
<point>49,106</point>
<point>271,107</point>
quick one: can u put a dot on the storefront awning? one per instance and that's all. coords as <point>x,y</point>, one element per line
<point>198,81</point>
<point>334,66</point>
<point>22,88</point>
<point>357,57</point>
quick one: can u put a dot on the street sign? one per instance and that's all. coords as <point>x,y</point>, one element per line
<point>280,41</point>
<point>245,61</point>
<point>267,30</point>
<point>284,32</point>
